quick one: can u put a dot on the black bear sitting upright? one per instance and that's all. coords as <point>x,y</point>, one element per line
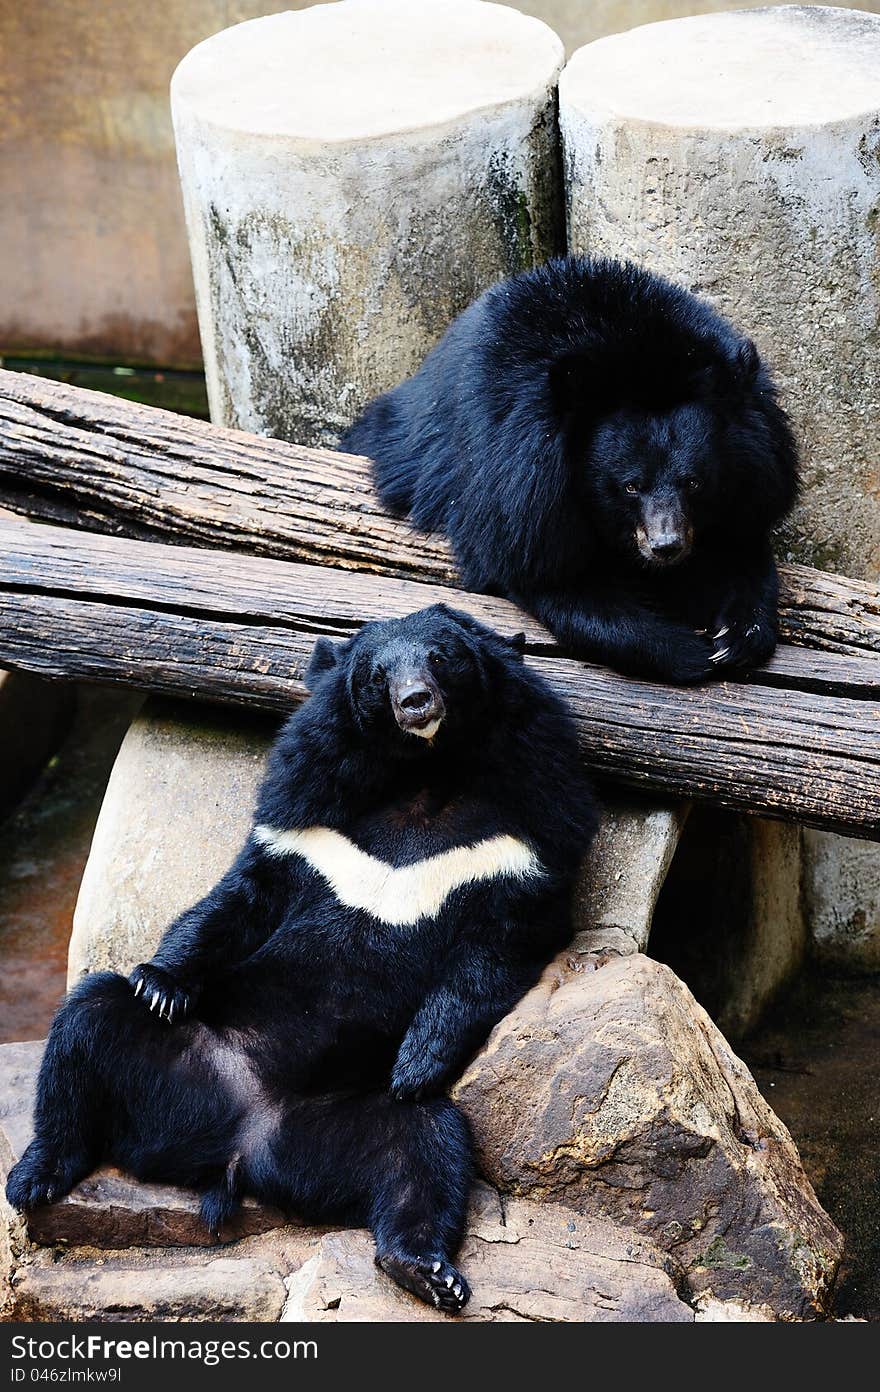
<point>408,875</point>
<point>603,448</point>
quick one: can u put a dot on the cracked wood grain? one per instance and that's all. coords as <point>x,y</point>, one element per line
<point>105,465</point>
<point>239,629</point>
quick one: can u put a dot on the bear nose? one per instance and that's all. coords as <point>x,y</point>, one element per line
<point>417,703</point>
<point>667,547</point>
<point>414,697</point>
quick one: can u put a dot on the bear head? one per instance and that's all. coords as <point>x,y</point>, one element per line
<point>673,437</point>
<point>436,672</point>
<point>662,474</point>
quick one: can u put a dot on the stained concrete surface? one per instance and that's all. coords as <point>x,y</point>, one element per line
<point>44,844</point>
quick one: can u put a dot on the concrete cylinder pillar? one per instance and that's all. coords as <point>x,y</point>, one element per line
<point>739,154</point>
<point>177,810</point>
<point>353,176</point>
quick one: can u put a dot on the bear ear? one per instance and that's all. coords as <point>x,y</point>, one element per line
<point>517,642</point>
<point>325,658</point>
<point>463,620</point>
<point>746,361</point>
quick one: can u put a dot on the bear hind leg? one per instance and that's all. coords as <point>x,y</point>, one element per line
<point>403,1169</point>
<point>46,1173</point>
<point>67,1140</point>
<point>420,1202</point>
<point>433,1280</point>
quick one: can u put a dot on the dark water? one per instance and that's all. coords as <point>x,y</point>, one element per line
<point>816,1059</point>
<point>44,845</point>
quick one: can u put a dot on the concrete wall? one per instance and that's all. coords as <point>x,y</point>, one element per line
<point>581,21</point>
<point>95,258</point>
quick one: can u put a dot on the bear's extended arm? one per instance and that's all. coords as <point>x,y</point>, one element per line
<point>616,629</point>
<point>232,921</point>
<point>737,623</point>
<point>480,986</point>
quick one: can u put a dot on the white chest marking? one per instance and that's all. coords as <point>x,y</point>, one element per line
<point>402,894</point>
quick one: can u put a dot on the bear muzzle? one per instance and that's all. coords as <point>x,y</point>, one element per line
<point>664,535</point>
<point>417,703</point>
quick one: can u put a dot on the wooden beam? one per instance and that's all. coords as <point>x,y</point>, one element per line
<point>239,629</point>
<point>92,461</point>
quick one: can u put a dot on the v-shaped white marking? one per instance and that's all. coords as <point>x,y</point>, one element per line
<point>403,894</point>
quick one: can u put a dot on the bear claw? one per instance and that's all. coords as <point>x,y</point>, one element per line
<point>161,993</point>
<point>437,1283</point>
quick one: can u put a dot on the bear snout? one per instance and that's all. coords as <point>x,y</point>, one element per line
<point>664,536</point>
<point>417,703</point>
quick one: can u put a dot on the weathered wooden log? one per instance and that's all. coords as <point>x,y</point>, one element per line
<point>93,461</point>
<point>239,629</point>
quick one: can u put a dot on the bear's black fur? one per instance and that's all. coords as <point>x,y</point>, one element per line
<point>602,447</point>
<point>408,874</point>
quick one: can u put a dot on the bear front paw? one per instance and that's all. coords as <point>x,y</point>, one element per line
<point>416,1076</point>
<point>745,641</point>
<point>677,655</point>
<point>403,1092</point>
<point>160,992</point>
<point>407,1089</point>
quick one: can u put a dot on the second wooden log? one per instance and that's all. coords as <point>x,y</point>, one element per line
<point>93,461</point>
<point>239,629</point>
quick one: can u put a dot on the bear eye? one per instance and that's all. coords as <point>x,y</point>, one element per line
<point>631,488</point>
<point>377,676</point>
<point>437,659</point>
<point>691,484</point>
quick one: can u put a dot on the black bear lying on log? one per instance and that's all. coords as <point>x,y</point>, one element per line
<point>408,875</point>
<point>603,448</point>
